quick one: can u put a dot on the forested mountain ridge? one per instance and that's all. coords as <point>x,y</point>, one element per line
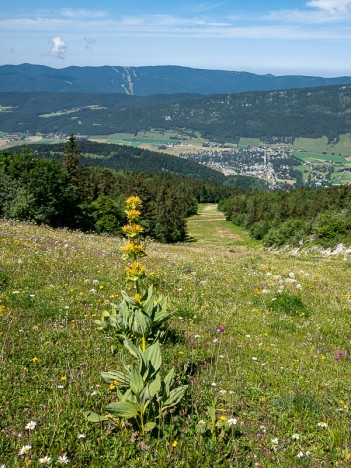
<point>311,112</point>
<point>129,158</point>
<point>143,81</point>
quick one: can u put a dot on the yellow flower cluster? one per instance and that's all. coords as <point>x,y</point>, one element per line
<point>137,298</point>
<point>133,215</point>
<point>133,203</point>
<point>135,271</point>
<point>134,250</point>
<point>132,230</point>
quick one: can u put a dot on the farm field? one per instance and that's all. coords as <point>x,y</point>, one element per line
<point>188,142</point>
<point>261,337</point>
<point>320,145</point>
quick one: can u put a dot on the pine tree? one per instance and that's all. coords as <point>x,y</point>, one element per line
<point>71,157</point>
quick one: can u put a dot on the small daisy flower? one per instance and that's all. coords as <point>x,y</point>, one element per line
<point>322,424</point>
<point>81,436</point>
<point>295,436</point>
<point>63,460</point>
<point>232,421</point>
<point>45,460</point>
<point>31,425</point>
<point>275,441</point>
<point>24,449</point>
<point>201,423</point>
<point>300,454</point>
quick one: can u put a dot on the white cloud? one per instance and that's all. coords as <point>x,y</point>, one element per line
<point>79,13</point>
<point>318,11</point>
<point>331,6</point>
<point>58,48</point>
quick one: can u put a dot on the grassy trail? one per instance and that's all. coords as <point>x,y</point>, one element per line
<point>209,230</point>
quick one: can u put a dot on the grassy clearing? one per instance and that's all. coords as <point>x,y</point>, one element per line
<point>280,368</point>
<point>320,145</point>
<point>249,141</point>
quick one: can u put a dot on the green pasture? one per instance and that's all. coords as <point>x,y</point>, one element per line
<point>318,158</point>
<point>243,142</point>
<point>261,337</point>
<point>320,145</point>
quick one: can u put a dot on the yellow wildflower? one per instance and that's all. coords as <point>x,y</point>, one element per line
<point>133,215</point>
<point>113,385</point>
<point>132,230</point>
<point>134,249</point>
<point>135,271</point>
<point>133,202</point>
<point>137,298</point>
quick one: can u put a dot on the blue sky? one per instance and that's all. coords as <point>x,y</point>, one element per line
<point>310,37</point>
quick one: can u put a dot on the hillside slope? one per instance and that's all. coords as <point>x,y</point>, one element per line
<point>262,340</point>
<point>311,112</point>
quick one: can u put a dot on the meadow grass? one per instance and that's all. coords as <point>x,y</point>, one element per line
<point>261,337</point>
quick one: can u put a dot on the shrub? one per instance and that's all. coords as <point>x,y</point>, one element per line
<point>290,232</point>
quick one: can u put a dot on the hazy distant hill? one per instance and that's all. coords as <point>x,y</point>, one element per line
<point>311,112</point>
<point>143,81</point>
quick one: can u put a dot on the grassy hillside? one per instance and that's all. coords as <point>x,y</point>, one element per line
<point>279,367</point>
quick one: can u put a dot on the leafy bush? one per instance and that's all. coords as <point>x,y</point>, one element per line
<point>143,395</point>
<point>259,230</point>
<point>290,232</point>
<point>332,227</point>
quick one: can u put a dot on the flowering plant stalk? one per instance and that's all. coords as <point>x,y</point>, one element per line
<point>142,394</point>
<point>141,316</point>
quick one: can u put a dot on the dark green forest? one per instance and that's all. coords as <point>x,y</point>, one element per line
<point>309,112</point>
<point>129,158</point>
<point>66,194</point>
<point>321,216</point>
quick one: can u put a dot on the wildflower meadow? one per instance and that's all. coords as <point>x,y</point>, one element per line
<point>236,355</point>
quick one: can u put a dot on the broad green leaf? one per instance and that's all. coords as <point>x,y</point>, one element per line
<point>169,377</point>
<point>144,396</point>
<point>134,351</point>
<point>95,418</point>
<point>121,377</point>
<point>153,354</point>
<point>124,409</point>
<point>149,426</point>
<point>142,324</point>
<point>155,386</point>
<point>136,381</point>
<point>175,396</point>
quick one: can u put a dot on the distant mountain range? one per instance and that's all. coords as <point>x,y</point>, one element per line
<point>144,81</point>
<point>312,112</point>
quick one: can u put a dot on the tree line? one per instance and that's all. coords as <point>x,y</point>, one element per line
<point>320,215</point>
<point>66,194</point>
